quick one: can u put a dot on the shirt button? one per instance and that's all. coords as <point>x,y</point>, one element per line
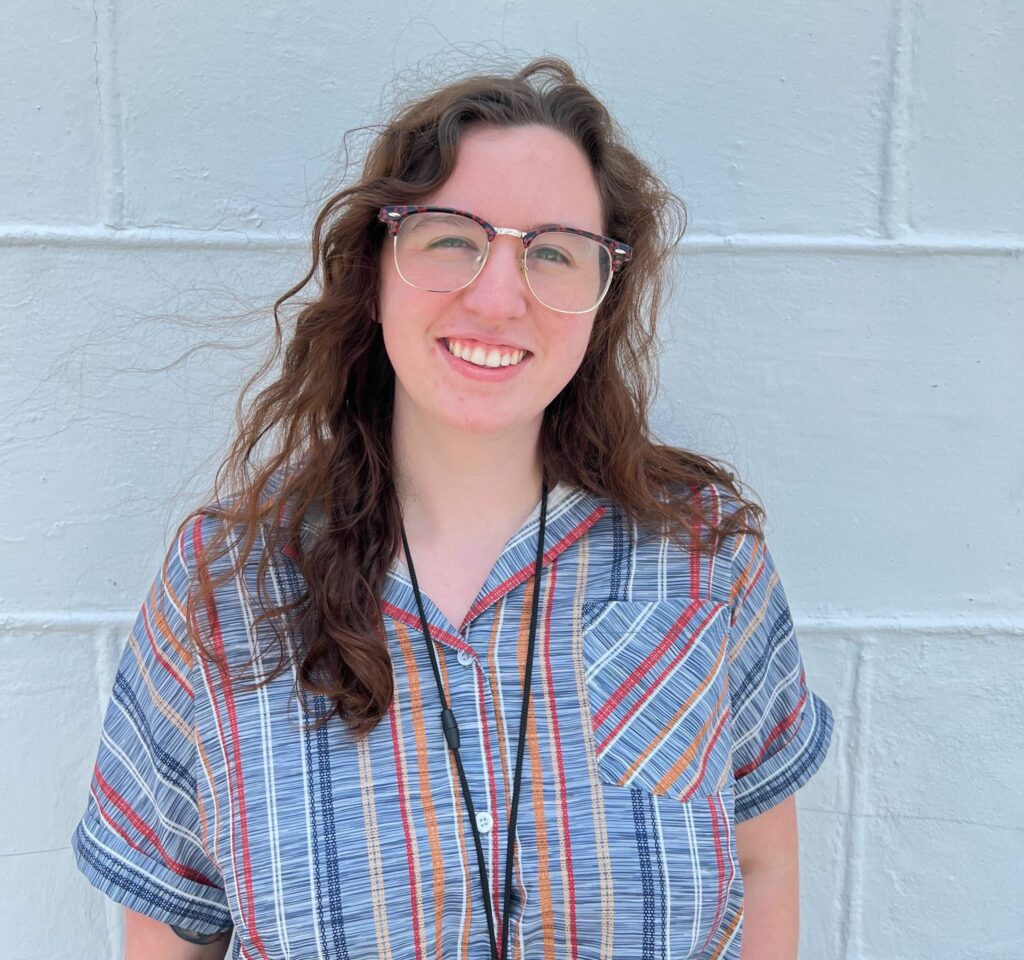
<point>484,821</point>
<point>465,658</point>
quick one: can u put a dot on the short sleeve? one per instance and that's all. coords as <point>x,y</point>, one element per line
<point>140,841</point>
<point>781,730</point>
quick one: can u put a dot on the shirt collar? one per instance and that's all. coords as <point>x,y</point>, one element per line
<point>571,513</point>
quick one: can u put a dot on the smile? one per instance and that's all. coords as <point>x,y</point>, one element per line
<point>484,356</point>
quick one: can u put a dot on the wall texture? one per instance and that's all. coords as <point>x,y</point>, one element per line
<point>849,295</point>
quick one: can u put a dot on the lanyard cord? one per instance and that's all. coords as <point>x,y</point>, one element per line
<point>451,735</point>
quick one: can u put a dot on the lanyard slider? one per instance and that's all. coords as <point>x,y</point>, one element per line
<point>451,728</point>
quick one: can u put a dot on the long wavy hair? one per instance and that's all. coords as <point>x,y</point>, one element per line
<point>319,433</point>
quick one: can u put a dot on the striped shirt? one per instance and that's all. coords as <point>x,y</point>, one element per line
<point>669,702</point>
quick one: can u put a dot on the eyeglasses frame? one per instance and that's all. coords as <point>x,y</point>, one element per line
<point>620,253</point>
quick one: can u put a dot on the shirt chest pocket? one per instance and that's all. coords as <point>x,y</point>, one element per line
<point>658,689</point>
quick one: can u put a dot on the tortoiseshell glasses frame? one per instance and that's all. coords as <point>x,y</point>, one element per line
<point>618,254</point>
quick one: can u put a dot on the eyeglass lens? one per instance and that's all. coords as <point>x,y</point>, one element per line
<point>442,252</point>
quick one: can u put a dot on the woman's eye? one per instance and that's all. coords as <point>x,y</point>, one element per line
<point>451,243</point>
<point>550,255</point>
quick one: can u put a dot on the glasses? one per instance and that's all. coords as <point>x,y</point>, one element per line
<point>441,250</point>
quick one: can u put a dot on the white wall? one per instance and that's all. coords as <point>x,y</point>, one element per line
<point>847,329</point>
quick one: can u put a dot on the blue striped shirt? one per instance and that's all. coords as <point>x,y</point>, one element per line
<point>669,702</point>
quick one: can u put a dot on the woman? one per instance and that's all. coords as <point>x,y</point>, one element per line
<point>464,663</point>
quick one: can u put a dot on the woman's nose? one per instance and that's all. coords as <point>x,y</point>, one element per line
<point>500,287</point>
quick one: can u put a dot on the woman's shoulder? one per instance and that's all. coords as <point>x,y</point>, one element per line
<point>248,517</point>
<point>214,556</point>
<point>713,509</point>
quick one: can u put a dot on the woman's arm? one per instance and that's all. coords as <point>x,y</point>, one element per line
<point>768,849</point>
<point>148,939</point>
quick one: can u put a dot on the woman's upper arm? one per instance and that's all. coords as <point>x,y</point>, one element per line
<point>143,839</point>
<point>770,839</point>
<point>149,939</point>
<point>781,729</point>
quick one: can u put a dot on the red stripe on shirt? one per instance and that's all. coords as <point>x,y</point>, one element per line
<point>560,767</point>
<point>717,820</point>
<point>613,733</point>
<point>413,620</point>
<point>181,869</point>
<point>777,731</point>
<point>694,547</point>
<point>652,658</point>
<point>720,726</point>
<point>403,806</point>
<point>234,755</point>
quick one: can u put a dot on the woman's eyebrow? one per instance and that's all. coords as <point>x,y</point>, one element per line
<point>435,217</point>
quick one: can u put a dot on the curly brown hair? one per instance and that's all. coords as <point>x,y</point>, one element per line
<point>320,433</point>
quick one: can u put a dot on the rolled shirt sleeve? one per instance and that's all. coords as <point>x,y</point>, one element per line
<point>781,729</point>
<point>141,839</point>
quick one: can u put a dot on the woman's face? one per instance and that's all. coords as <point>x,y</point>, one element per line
<point>520,177</point>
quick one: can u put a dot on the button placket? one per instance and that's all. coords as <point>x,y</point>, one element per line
<point>495,799</point>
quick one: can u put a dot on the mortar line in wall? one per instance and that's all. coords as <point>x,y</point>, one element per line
<point>894,175</point>
<point>916,244</point>
<point>108,93</point>
<point>850,935</point>
<point>180,238</point>
<point>64,620</point>
<point>954,625</point>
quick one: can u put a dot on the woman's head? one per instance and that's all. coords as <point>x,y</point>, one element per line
<point>517,151</point>
<point>535,147</point>
<point>454,295</point>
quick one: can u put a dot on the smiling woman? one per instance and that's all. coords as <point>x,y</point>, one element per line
<point>549,697</point>
<point>483,307</point>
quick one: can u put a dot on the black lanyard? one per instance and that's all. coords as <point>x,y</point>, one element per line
<point>451,735</point>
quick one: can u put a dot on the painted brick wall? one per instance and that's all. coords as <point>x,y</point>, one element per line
<point>847,329</point>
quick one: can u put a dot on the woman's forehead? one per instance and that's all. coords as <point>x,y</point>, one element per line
<point>522,177</point>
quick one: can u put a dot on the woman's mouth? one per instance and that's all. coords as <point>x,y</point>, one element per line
<point>485,355</point>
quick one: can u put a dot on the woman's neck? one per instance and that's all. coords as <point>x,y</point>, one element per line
<point>455,485</point>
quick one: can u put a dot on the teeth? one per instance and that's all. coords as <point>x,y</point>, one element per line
<point>484,358</point>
